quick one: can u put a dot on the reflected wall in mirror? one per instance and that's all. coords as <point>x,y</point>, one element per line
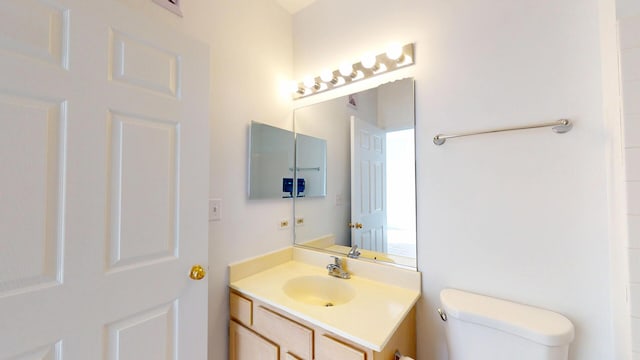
<point>311,166</point>
<point>271,159</point>
<point>370,193</point>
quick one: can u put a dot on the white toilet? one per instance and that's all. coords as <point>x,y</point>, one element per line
<point>484,328</point>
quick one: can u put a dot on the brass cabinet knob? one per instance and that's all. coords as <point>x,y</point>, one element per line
<point>197,272</point>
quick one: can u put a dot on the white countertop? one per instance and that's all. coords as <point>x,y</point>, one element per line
<point>369,319</point>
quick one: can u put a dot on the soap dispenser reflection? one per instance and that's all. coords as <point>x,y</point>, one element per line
<point>300,188</point>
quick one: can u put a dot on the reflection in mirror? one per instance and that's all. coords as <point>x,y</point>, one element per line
<point>311,166</point>
<point>270,162</point>
<point>370,192</point>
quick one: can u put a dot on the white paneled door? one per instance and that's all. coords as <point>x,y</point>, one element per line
<point>368,186</point>
<point>103,184</point>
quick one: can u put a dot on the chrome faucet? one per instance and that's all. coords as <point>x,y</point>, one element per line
<point>354,253</point>
<point>336,269</point>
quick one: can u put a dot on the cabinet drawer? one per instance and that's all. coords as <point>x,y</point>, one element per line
<point>331,349</point>
<point>244,344</point>
<point>291,336</point>
<point>241,309</point>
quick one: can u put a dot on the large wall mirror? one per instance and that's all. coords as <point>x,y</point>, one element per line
<point>370,175</point>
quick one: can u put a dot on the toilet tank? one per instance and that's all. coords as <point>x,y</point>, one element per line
<point>480,327</point>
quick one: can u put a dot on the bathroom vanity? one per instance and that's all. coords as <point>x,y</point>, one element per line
<point>257,328</point>
<point>284,305</point>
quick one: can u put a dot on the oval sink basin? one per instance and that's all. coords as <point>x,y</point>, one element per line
<point>320,290</point>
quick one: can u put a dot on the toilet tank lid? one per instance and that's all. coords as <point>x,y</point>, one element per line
<point>538,325</point>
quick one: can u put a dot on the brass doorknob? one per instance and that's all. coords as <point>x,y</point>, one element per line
<point>355,226</point>
<point>197,272</point>
<point>351,225</point>
<point>358,226</point>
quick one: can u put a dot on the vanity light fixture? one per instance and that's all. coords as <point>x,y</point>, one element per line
<point>396,56</point>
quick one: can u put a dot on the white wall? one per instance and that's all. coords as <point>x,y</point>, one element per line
<point>251,64</point>
<point>252,59</point>
<point>396,106</point>
<point>522,215</point>
<point>627,8</point>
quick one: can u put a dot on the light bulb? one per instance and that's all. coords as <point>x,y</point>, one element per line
<point>368,61</point>
<point>293,86</point>
<point>346,69</point>
<point>309,81</point>
<point>327,76</point>
<point>394,52</point>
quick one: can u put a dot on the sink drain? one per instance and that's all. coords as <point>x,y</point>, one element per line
<point>328,304</point>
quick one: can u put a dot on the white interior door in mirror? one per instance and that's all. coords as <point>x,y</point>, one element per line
<point>368,186</point>
<point>104,162</point>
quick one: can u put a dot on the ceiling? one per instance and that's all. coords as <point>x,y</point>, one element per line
<point>293,6</point>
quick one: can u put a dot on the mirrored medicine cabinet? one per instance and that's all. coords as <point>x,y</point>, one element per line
<point>275,153</point>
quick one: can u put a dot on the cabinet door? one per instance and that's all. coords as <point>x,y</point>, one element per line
<point>292,337</point>
<point>330,349</point>
<point>244,344</point>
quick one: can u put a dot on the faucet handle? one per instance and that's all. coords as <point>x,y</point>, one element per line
<point>353,252</point>
<point>337,261</point>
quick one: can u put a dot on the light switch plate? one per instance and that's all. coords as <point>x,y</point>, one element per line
<point>215,213</point>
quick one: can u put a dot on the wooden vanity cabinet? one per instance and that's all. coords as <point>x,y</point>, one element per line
<point>257,328</point>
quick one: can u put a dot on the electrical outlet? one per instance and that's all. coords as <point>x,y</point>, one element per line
<point>284,224</point>
<point>215,209</point>
<point>299,221</point>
